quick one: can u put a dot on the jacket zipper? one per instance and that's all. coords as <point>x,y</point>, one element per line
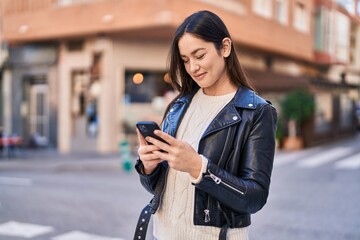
<point>218,180</point>
<point>207,210</point>
<point>207,215</point>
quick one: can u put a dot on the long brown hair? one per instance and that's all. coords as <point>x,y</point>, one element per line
<point>210,28</point>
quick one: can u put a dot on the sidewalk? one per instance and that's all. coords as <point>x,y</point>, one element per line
<point>347,142</point>
<point>51,160</point>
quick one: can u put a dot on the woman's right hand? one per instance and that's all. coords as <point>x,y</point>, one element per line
<point>146,155</point>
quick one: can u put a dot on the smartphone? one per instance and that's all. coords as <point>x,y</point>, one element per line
<point>147,128</point>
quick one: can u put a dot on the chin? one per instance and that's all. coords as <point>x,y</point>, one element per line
<point>202,84</point>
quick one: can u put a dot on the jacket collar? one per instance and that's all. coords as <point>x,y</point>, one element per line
<point>244,98</point>
<point>229,115</point>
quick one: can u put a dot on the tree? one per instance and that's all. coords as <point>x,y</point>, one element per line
<point>297,107</point>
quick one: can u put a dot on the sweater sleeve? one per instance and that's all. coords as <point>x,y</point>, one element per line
<point>202,172</point>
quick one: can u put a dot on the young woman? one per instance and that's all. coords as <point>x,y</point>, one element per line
<point>214,169</point>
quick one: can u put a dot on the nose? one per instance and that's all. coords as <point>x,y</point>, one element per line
<point>194,66</point>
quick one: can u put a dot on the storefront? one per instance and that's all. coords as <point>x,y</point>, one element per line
<point>31,106</point>
<point>334,116</point>
<point>111,83</point>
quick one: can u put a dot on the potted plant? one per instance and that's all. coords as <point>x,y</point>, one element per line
<point>297,107</point>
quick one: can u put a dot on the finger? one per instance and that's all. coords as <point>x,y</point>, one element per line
<point>161,145</point>
<point>141,139</point>
<point>168,138</point>
<point>161,155</point>
<point>152,157</point>
<point>148,149</point>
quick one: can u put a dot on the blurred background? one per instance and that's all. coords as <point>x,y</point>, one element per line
<point>76,75</point>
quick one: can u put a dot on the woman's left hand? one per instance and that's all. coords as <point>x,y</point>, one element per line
<point>180,155</point>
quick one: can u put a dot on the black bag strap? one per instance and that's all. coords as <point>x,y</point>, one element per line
<point>224,229</point>
<point>149,209</point>
<point>223,232</point>
<point>143,223</point>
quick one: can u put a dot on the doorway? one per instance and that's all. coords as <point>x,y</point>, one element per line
<point>84,113</point>
<point>39,113</point>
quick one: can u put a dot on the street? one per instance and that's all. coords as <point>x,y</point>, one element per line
<point>314,195</point>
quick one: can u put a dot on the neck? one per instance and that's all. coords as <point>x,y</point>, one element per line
<point>221,89</point>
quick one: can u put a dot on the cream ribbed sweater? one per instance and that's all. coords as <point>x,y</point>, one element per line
<point>174,218</point>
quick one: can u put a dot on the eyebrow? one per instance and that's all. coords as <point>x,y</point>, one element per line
<point>193,52</point>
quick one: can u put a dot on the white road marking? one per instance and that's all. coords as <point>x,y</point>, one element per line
<point>77,235</point>
<point>325,157</point>
<point>351,162</point>
<point>16,181</point>
<point>286,157</point>
<point>26,230</point>
<point>280,160</point>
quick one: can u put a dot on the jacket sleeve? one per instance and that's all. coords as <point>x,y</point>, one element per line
<point>149,181</point>
<point>247,191</point>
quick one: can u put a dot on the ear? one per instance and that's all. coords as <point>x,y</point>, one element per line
<point>226,47</point>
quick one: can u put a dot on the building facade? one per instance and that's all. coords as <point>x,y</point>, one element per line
<point>336,54</point>
<point>80,79</point>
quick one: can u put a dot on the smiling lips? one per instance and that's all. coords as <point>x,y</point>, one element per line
<point>199,76</point>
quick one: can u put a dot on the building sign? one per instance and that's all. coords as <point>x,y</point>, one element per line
<point>33,54</point>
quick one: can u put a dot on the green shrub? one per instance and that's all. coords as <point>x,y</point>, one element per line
<point>298,105</point>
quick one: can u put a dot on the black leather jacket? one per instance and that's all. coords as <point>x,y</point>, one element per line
<point>239,144</point>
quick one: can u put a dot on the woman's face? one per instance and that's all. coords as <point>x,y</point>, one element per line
<point>205,64</point>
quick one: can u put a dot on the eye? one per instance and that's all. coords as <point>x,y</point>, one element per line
<point>185,60</point>
<point>200,56</point>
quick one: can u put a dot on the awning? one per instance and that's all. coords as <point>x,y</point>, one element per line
<point>329,84</point>
<point>269,81</point>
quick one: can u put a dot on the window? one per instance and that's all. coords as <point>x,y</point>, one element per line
<point>235,6</point>
<point>349,5</point>
<point>144,86</point>
<point>342,25</point>
<point>355,45</point>
<point>147,93</point>
<point>39,112</point>
<point>75,45</point>
<point>358,8</point>
<point>301,17</point>
<point>281,11</point>
<point>262,8</point>
<point>330,32</point>
<point>345,111</point>
<point>319,28</point>
<point>323,112</point>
